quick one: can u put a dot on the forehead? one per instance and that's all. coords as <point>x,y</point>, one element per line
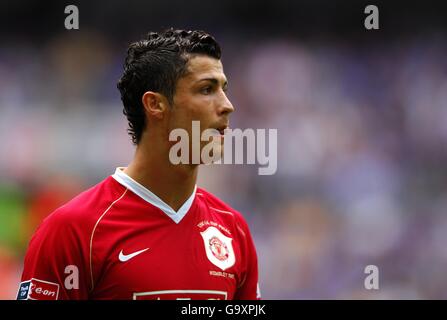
<point>201,67</point>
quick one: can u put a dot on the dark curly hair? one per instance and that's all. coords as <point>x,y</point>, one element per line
<point>155,64</point>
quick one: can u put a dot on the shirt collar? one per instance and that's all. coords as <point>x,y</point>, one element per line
<point>150,197</point>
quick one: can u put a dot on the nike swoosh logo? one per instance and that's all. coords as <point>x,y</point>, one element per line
<point>126,257</point>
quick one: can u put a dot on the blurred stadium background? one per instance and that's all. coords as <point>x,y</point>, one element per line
<point>361,118</point>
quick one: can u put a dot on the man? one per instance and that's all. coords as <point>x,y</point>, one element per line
<point>147,231</point>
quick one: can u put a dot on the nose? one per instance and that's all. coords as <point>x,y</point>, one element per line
<point>226,106</point>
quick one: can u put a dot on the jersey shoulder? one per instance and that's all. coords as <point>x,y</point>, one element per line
<point>84,210</point>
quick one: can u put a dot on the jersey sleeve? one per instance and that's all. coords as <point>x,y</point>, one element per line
<point>55,265</point>
<point>248,289</point>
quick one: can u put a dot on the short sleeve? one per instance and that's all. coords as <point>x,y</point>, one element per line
<point>55,266</point>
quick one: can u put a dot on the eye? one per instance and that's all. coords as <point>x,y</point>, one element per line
<point>206,90</point>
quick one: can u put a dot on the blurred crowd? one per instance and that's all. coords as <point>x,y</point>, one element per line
<point>361,174</point>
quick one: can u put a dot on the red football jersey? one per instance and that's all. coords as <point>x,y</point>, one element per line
<point>118,240</point>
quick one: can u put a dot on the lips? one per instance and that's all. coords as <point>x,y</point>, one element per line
<point>221,129</point>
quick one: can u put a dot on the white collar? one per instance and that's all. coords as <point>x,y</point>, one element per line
<point>150,197</point>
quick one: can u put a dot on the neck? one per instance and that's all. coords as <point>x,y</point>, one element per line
<point>173,184</point>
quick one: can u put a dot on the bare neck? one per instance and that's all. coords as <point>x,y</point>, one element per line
<point>151,167</point>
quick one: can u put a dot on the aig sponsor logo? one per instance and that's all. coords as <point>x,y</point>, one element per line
<point>36,289</point>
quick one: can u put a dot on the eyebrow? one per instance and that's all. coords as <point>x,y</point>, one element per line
<point>214,81</point>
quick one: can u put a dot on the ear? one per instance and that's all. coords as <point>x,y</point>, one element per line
<point>155,104</point>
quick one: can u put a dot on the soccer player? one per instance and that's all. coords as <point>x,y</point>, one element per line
<point>147,231</point>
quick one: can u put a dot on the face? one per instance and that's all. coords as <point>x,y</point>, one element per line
<point>200,95</point>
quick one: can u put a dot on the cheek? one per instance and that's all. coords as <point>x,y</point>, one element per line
<point>185,106</point>
<point>192,107</point>
<point>198,108</point>
<point>181,117</point>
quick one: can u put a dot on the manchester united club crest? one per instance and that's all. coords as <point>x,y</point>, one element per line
<point>218,248</point>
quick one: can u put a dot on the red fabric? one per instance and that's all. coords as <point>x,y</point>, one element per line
<point>91,231</point>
